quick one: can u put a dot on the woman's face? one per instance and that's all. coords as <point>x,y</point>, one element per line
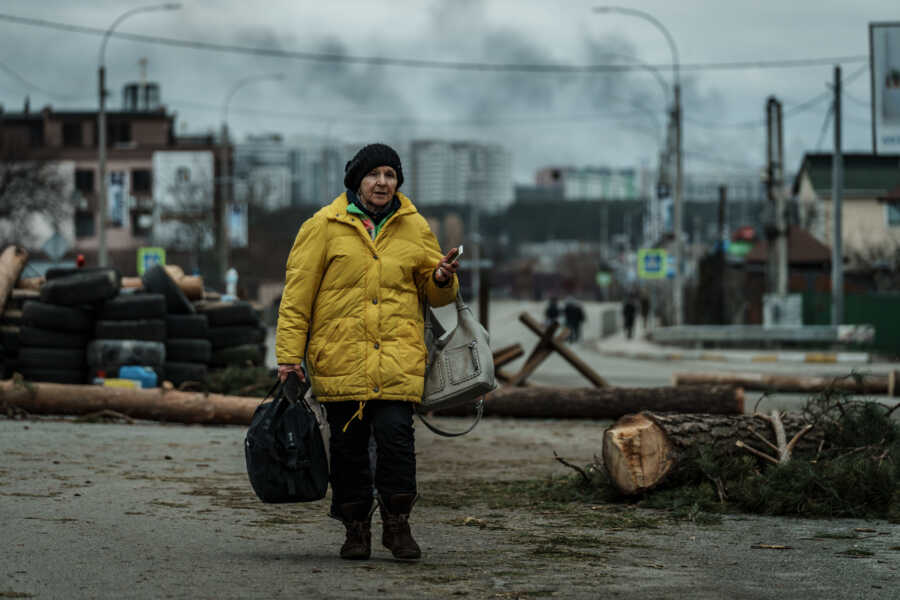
<point>378,186</point>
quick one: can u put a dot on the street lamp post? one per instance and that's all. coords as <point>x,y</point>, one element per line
<point>102,257</point>
<point>220,211</point>
<point>677,292</point>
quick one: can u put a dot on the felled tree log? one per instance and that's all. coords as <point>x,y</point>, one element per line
<point>154,404</point>
<point>641,450</point>
<point>12,263</point>
<point>606,403</point>
<point>867,384</point>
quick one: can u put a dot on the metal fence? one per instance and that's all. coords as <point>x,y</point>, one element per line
<point>879,309</point>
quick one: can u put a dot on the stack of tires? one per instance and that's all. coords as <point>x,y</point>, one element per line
<point>10,328</point>
<point>55,329</point>
<point>130,330</point>
<point>186,353</point>
<point>188,350</point>
<point>236,334</point>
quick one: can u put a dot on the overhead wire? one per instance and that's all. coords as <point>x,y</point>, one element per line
<point>426,63</point>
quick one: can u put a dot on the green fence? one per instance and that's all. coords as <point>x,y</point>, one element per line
<point>882,310</point>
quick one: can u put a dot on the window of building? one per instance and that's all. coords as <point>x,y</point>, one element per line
<point>140,181</point>
<point>84,223</point>
<point>893,215</point>
<point>182,175</point>
<point>84,180</point>
<point>118,132</point>
<point>72,135</point>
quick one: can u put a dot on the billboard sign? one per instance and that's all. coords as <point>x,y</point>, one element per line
<point>884,61</point>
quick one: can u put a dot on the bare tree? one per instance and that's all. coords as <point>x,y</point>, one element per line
<point>189,223</point>
<point>29,188</point>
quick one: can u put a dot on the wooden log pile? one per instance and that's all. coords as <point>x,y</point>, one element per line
<point>853,384</point>
<point>606,403</point>
<point>641,450</point>
<point>155,404</point>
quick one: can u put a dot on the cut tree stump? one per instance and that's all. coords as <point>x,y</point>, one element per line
<point>867,384</point>
<point>641,450</point>
<point>12,263</point>
<point>605,403</point>
<point>154,404</point>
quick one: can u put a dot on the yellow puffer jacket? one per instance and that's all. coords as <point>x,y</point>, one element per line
<point>358,304</point>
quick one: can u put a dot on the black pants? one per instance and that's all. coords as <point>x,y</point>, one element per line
<point>395,465</point>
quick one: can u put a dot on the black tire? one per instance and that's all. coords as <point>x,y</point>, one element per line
<point>236,335</point>
<point>58,272</point>
<point>76,376</point>
<point>47,338</point>
<point>188,350</point>
<point>133,306</point>
<point>254,354</point>
<point>150,330</point>
<point>156,280</point>
<point>51,358</point>
<point>11,316</point>
<point>179,372</point>
<point>82,288</point>
<point>221,314</point>
<point>10,335</point>
<point>187,326</point>
<point>51,316</point>
<point>108,353</point>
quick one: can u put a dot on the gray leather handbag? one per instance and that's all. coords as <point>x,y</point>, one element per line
<point>460,365</point>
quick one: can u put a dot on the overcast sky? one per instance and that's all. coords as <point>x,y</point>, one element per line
<point>544,119</point>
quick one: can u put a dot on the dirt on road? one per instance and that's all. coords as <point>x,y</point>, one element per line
<point>145,510</point>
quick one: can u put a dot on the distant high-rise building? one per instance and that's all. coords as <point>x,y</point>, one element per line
<point>444,172</point>
<point>593,183</point>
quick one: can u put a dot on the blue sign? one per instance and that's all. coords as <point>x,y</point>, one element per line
<point>150,257</point>
<point>652,263</point>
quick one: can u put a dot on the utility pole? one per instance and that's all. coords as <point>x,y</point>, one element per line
<point>775,187</point>
<point>102,205</point>
<point>837,188</point>
<point>678,283</point>
<point>221,202</point>
<point>720,253</point>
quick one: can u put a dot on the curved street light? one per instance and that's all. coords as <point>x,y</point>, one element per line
<point>676,115</point>
<point>102,257</point>
<point>221,212</point>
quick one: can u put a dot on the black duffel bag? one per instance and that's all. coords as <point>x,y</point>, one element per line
<point>286,459</point>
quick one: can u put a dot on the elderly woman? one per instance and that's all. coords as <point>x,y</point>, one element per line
<point>352,308</point>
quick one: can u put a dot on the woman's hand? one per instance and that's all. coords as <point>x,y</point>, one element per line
<point>447,267</point>
<point>284,370</point>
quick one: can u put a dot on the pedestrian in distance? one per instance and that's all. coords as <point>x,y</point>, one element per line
<point>574,317</point>
<point>629,311</point>
<point>551,313</point>
<point>351,311</point>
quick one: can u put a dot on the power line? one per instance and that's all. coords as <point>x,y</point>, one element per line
<point>794,110</point>
<point>9,71</point>
<point>429,64</point>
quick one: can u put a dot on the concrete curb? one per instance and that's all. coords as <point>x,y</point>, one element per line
<point>745,357</point>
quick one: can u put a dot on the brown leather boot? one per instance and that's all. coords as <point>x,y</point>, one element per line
<point>396,535</point>
<point>357,519</point>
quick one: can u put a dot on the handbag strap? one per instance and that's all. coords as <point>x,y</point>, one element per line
<point>479,411</point>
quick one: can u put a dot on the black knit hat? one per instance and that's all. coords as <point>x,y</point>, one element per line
<point>369,157</point>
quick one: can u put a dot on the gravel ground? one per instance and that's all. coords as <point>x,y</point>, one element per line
<point>145,510</point>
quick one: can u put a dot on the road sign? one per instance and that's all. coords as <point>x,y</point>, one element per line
<point>652,263</point>
<point>56,246</point>
<point>148,256</point>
